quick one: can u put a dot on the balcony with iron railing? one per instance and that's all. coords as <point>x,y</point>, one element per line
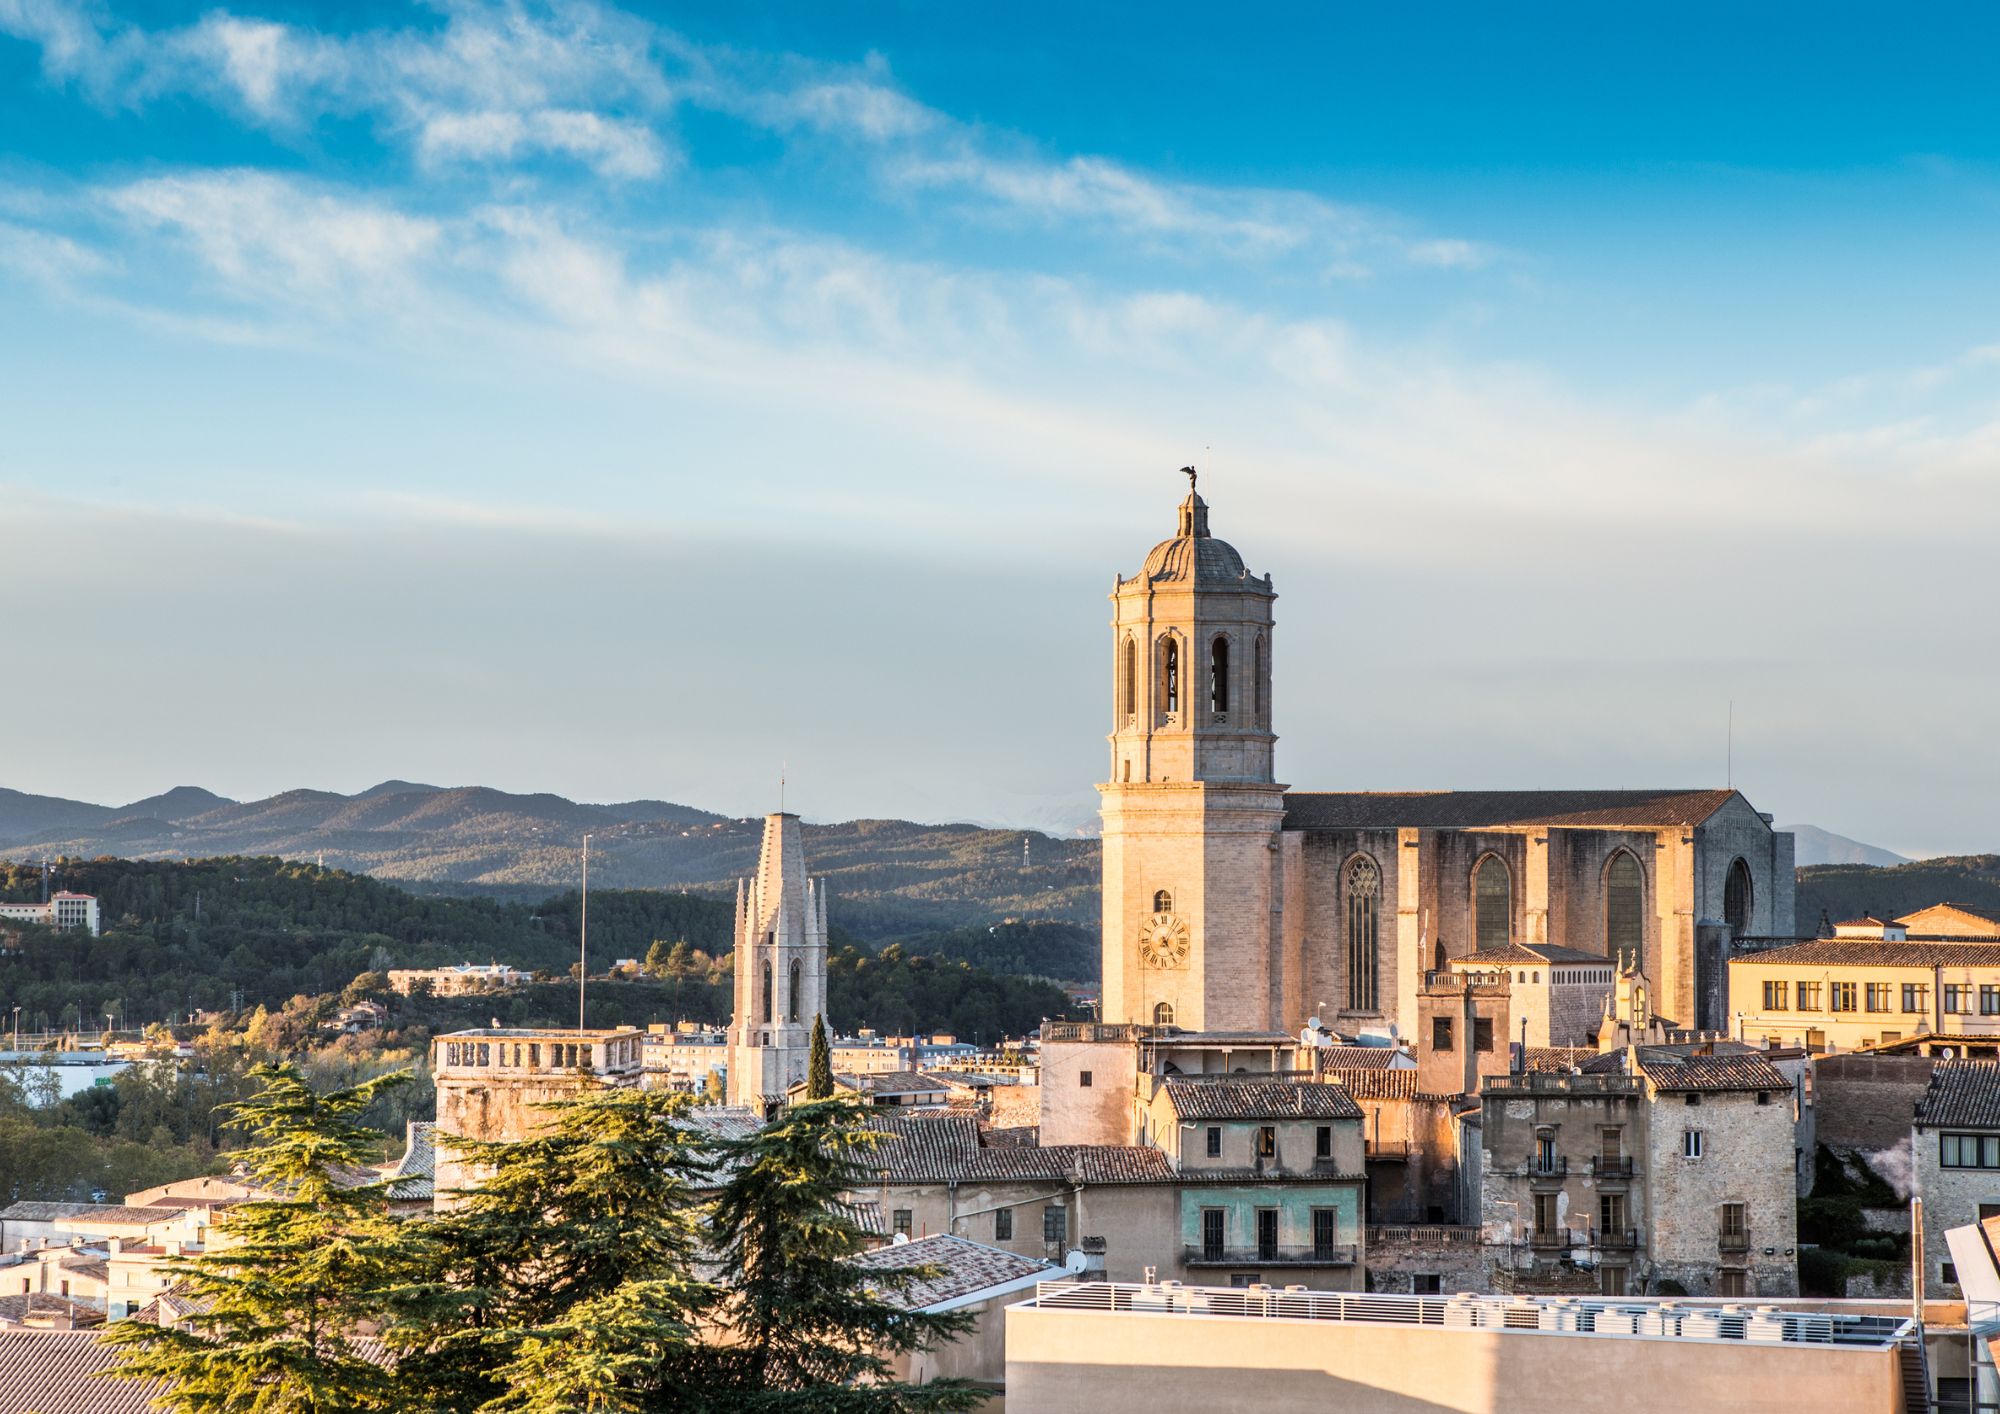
<point>1552,1237</point>
<point>1318,1254</point>
<point>1736,1240</point>
<point>1425,1235</point>
<point>1548,1168</point>
<point>1616,1167</point>
<point>1616,1238</point>
<point>1395,1150</point>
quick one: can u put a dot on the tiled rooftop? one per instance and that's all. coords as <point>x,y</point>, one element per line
<point>962,1268</point>
<point>413,1175</point>
<point>41,1305</point>
<point>1260,1099</point>
<point>1962,1094</point>
<point>54,1372</point>
<point>1725,1072</point>
<point>31,1212</point>
<point>118,1215</point>
<point>1476,809</point>
<point>1358,1057</point>
<point>1557,1059</point>
<point>1530,955</point>
<point>1876,952</point>
<point>944,1147</point>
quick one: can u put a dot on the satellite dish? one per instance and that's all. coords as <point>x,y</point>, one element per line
<point>1075,1261</point>
<point>899,1240</point>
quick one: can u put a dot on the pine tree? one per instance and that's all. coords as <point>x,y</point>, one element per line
<point>819,1072</point>
<point>806,1329</point>
<point>294,1277</point>
<point>566,1279</point>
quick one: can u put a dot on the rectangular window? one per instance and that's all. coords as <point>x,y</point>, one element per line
<point>1611,1281</point>
<point>1878,996</point>
<point>1211,1234</point>
<point>1215,1141</point>
<point>1808,996</point>
<point>1003,1225</point>
<point>1323,1142</point>
<point>1692,1098</point>
<point>1545,1154</point>
<point>1916,997</point>
<point>1083,1079</point>
<point>1440,1033</point>
<point>1267,1141</point>
<point>1957,999</point>
<point>1546,1217</point>
<point>1482,1033</point>
<point>1890,1038</point>
<point>1775,998</point>
<point>1989,1000</point>
<point>1326,1232</point>
<point>535,1054</point>
<point>1691,1143</point>
<point>1735,1220</point>
<point>1427,1284</point>
<point>1732,1281</point>
<point>1843,996</point>
<point>1611,1215</point>
<point>1055,1223</point>
<point>902,1221</point>
<point>1969,1151</point>
<point>1267,1234</point>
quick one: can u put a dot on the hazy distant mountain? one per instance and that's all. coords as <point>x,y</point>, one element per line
<point>889,877</point>
<point>1840,891</point>
<point>1817,846</point>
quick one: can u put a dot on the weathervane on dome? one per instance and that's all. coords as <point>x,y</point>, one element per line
<point>1189,473</point>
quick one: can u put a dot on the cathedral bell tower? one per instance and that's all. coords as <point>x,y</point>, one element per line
<point>1192,813</point>
<point>780,969</point>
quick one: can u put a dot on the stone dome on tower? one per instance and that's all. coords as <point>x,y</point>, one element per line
<point>1193,555</point>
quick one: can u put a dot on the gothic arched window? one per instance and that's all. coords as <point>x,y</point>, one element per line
<point>1364,899</point>
<point>1128,679</point>
<point>1624,909</point>
<point>798,977</point>
<point>1492,904</point>
<point>1170,675</point>
<point>1737,896</point>
<point>1163,1014</point>
<point>1163,902</point>
<point>764,994</point>
<point>1218,676</point>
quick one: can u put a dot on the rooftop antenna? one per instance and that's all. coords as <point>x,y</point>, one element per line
<point>1729,749</point>
<point>583,946</point>
<point>781,787</point>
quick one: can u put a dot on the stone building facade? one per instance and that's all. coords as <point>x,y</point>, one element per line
<point>780,969</point>
<point>492,1082</point>
<point>1955,1148</point>
<point>1235,903</point>
<point>1654,1170</point>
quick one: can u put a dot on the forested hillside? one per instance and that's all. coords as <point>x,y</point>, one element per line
<point>235,934</point>
<point>1848,890</point>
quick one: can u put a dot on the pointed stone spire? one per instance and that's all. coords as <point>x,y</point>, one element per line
<point>780,967</point>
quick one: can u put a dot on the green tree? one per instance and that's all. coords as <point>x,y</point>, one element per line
<point>805,1328</point>
<point>566,1280</point>
<point>655,964</point>
<point>301,1275</point>
<point>819,1070</point>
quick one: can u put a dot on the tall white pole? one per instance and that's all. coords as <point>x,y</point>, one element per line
<point>583,946</point>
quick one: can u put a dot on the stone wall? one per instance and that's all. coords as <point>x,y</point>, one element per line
<point>1746,1158</point>
<point>1864,1103</point>
<point>1952,1198</point>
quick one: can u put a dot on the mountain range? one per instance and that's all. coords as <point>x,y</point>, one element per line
<point>1813,846</point>
<point>889,877</point>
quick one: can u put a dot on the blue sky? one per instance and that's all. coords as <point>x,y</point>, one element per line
<point>623,401</point>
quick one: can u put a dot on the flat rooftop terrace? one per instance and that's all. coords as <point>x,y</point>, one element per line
<point>1082,1346</point>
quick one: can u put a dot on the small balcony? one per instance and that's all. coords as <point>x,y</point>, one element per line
<point>1551,1170</point>
<point>1334,1254</point>
<point>1618,1238</point>
<point>1615,1167</point>
<point>1732,1241</point>
<point>1556,1237</point>
<point>1389,1150</point>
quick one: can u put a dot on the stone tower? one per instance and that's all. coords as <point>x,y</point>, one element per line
<point>780,968</point>
<point>1192,814</point>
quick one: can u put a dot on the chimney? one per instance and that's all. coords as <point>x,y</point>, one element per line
<point>113,1245</point>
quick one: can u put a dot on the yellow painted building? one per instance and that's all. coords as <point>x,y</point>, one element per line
<point>1850,994</point>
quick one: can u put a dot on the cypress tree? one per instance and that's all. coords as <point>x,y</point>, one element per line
<point>804,1328</point>
<point>297,1275</point>
<point>819,1072</point>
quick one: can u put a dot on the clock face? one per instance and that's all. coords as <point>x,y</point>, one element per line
<point>1163,940</point>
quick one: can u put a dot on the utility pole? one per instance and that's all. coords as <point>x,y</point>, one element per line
<point>583,945</point>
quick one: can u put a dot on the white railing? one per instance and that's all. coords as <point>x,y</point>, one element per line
<point>1558,1315</point>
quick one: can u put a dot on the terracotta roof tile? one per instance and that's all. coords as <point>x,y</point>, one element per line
<point>1531,954</point>
<point>1962,1094</point>
<point>961,1268</point>
<point>53,1372</point>
<point>1727,1072</point>
<point>1260,1099</point>
<point>16,1309</point>
<point>1557,1059</point>
<point>1876,952</point>
<point>1476,809</point>
<point>1376,1084</point>
<point>1356,1057</point>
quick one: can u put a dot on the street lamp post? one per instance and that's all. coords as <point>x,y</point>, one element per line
<point>583,944</point>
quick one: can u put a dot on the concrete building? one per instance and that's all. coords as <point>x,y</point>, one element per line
<point>1854,994</point>
<point>1232,902</point>
<point>462,979</point>
<point>685,1055</point>
<point>64,911</point>
<point>1084,1347</point>
<point>1659,1169</point>
<point>780,969</point>
<point>491,1082</point>
<point>1955,1152</point>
